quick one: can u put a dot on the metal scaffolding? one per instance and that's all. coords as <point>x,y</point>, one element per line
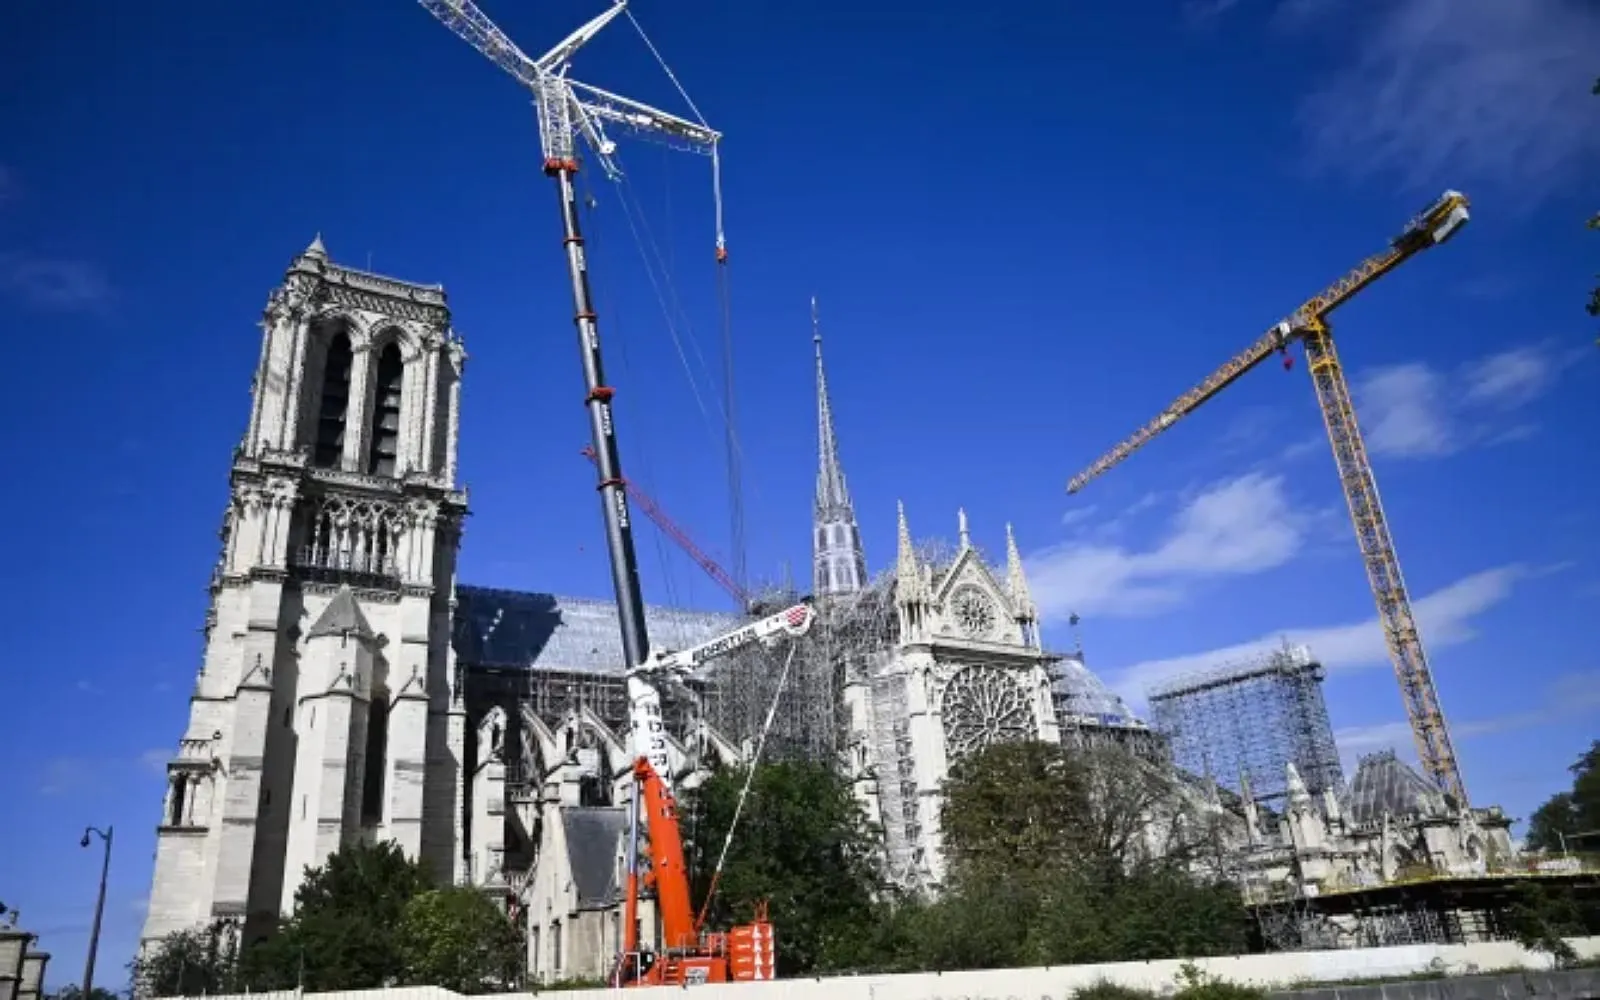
<point>1247,721</point>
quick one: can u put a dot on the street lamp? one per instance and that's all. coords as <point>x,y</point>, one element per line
<point>99,905</point>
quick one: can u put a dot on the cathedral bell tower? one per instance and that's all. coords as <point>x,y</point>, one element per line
<point>326,709</point>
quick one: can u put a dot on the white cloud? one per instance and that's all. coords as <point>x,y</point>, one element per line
<point>1485,90</point>
<point>54,284</point>
<point>1445,618</point>
<point>1510,378</point>
<point>65,776</point>
<point>1403,411</point>
<point>1077,515</point>
<point>155,761</point>
<point>1239,526</point>
<point>1417,411</point>
<point>1568,696</point>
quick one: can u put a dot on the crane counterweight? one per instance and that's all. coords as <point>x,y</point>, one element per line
<point>1434,225</point>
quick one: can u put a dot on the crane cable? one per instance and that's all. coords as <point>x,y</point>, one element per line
<point>730,425</point>
<point>608,305</point>
<point>744,792</point>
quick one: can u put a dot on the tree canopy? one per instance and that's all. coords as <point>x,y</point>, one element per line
<point>75,992</point>
<point>1059,856</point>
<point>458,939</point>
<point>368,917</point>
<point>803,845</point>
<point>1571,819</point>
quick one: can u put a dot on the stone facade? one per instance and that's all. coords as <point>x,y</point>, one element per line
<point>351,691</point>
<point>1387,825</point>
<point>958,667</point>
<point>326,708</point>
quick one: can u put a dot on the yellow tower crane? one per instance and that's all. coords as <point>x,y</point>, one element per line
<point>1309,325</point>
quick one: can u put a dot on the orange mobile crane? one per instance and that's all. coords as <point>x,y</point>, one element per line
<point>570,114</point>
<point>1308,324</point>
<point>688,954</point>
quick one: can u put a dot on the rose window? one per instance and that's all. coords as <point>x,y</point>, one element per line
<point>983,706</point>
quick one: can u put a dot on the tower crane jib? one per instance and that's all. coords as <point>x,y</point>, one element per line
<point>1436,224</point>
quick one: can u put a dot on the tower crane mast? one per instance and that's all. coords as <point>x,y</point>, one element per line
<point>1309,325</point>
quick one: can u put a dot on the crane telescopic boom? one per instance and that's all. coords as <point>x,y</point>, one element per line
<point>652,772</point>
<point>1308,324</point>
<point>569,111</point>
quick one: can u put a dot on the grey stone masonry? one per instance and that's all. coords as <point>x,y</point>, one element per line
<point>326,708</point>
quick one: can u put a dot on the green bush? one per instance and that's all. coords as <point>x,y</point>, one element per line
<point>1106,990</point>
<point>1196,984</point>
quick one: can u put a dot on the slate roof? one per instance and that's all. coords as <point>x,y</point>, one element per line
<point>530,630</point>
<point>341,615</point>
<point>594,836</point>
<point>1076,689</point>
<point>1383,785</point>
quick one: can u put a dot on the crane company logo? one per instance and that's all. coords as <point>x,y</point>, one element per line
<point>733,640</point>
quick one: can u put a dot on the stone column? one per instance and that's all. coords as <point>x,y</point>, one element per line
<point>453,429</point>
<point>293,405</point>
<point>362,360</point>
<point>430,409</point>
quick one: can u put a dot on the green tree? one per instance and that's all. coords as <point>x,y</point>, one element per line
<point>1017,809</point>
<point>1061,856</point>
<point>1572,817</point>
<point>344,934</point>
<point>75,992</point>
<point>803,845</point>
<point>458,939</point>
<point>196,961</point>
<point>1542,917</point>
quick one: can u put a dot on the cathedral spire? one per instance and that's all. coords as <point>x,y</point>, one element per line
<point>832,494</point>
<point>838,564</point>
<point>906,570</point>
<point>1017,580</point>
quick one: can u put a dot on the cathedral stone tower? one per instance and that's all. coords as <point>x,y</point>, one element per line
<point>327,709</point>
<point>839,566</point>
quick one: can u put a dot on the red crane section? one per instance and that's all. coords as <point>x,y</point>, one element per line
<point>653,511</point>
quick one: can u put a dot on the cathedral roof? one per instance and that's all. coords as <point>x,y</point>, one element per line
<point>1385,786</point>
<point>523,629</point>
<point>342,615</point>
<point>1076,690</point>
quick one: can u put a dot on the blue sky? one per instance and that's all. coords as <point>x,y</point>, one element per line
<point>1029,225</point>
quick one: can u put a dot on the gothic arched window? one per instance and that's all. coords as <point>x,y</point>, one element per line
<point>385,435</point>
<point>335,403</point>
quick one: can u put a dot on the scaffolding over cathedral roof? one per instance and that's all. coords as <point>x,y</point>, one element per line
<point>1243,723</point>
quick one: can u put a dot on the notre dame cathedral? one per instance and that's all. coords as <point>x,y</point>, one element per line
<point>351,690</point>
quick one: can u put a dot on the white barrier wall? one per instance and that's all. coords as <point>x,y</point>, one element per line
<point>1279,969</point>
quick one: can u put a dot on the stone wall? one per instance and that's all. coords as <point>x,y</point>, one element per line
<point>1278,970</point>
